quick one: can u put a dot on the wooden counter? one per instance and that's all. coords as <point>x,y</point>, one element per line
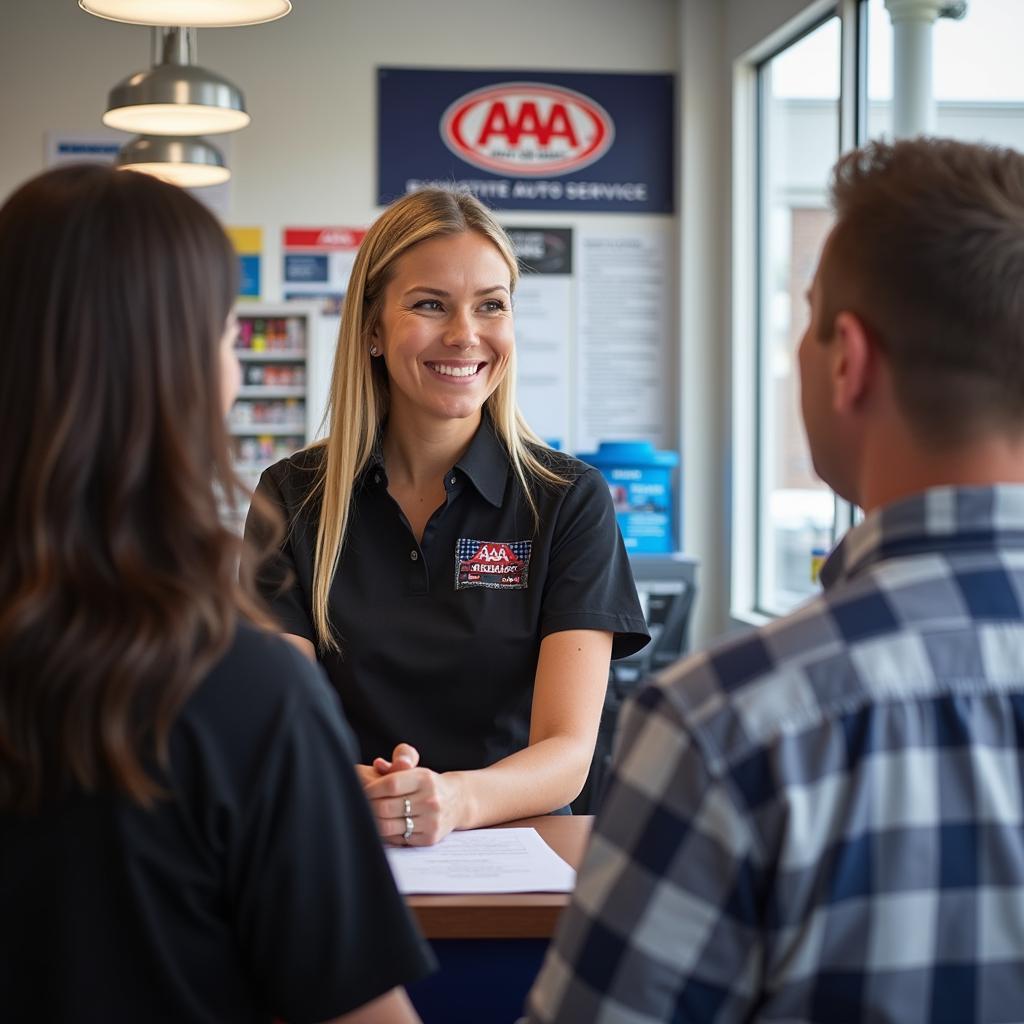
<point>521,915</point>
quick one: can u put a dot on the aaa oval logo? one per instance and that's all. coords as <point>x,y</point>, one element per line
<point>524,128</point>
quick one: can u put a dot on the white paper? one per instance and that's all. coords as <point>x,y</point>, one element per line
<point>489,860</point>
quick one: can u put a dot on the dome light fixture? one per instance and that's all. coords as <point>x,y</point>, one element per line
<point>198,13</point>
<point>176,96</point>
<point>188,162</point>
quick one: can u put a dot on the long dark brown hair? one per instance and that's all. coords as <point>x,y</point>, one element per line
<point>119,585</point>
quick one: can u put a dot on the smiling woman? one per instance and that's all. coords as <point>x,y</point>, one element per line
<point>463,585</point>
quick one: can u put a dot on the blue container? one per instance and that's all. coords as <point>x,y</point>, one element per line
<point>640,479</point>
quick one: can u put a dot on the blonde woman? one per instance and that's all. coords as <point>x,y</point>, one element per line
<point>463,585</point>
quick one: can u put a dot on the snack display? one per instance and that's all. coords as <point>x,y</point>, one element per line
<point>268,419</point>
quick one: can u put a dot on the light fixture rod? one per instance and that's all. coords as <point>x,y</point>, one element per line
<point>174,44</point>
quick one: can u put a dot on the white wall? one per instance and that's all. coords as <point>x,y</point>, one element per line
<point>309,156</point>
<point>703,92</point>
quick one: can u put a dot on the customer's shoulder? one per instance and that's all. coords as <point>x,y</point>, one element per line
<point>261,702</point>
<point>260,674</point>
<point>745,690</point>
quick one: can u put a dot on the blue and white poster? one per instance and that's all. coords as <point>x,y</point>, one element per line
<point>529,140</point>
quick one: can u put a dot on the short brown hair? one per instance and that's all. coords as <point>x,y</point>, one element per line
<point>928,251</point>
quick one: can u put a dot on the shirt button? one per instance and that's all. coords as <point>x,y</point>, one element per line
<point>414,554</point>
<point>376,478</point>
<point>453,479</point>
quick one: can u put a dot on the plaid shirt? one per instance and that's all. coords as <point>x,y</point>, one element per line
<point>822,820</point>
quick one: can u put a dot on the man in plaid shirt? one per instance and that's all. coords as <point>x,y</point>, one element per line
<point>823,820</point>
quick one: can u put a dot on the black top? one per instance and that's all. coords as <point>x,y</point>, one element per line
<point>440,639</point>
<point>259,890</point>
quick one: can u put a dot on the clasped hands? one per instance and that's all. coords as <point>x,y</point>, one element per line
<point>413,806</point>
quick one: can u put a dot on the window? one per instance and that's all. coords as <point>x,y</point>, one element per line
<point>798,116</point>
<point>969,105</point>
<point>834,83</point>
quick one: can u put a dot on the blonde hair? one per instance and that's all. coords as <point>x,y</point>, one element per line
<point>359,396</point>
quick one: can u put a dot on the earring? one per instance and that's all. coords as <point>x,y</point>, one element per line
<point>374,351</point>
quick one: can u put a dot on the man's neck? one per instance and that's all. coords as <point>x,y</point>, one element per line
<point>893,468</point>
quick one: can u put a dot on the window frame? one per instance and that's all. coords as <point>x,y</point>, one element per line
<point>746,607</point>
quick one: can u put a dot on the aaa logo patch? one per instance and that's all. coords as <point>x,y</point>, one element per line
<point>497,564</point>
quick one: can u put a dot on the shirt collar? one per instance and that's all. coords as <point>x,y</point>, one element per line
<point>485,463</point>
<point>376,459</point>
<point>942,519</point>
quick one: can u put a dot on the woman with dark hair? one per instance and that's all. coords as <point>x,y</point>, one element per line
<point>182,834</point>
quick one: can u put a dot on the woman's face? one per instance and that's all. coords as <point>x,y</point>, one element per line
<point>230,371</point>
<point>445,330</point>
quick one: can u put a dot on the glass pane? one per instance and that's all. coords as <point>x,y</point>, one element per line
<point>799,134</point>
<point>969,105</point>
<point>978,84</point>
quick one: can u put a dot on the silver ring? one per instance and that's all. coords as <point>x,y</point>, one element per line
<point>408,828</point>
<point>407,807</point>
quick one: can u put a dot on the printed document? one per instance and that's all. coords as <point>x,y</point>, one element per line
<point>488,860</point>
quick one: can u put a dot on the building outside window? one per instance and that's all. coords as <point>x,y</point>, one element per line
<point>797,517</point>
<point>799,136</point>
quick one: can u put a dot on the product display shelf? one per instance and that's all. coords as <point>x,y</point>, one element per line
<point>296,429</point>
<point>265,391</point>
<point>269,419</point>
<point>271,355</point>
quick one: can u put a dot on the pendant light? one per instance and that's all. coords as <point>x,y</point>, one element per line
<point>176,96</point>
<point>188,162</point>
<point>199,13</point>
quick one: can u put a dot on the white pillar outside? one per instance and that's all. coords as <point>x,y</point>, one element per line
<point>913,98</point>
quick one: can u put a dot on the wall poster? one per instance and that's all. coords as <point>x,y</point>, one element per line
<point>529,140</point>
<point>542,306</point>
<point>317,264</point>
<point>623,388</point>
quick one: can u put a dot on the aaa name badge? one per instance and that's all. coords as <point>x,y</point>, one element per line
<point>498,565</point>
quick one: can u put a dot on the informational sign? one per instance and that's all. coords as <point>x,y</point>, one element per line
<point>623,323</point>
<point>318,263</point>
<point>248,243</point>
<point>533,140</point>
<point>99,147</point>
<point>542,308</point>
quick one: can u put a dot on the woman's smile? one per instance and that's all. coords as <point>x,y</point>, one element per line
<point>453,372</point>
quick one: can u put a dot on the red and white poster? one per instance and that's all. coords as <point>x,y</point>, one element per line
<point>318,262</point>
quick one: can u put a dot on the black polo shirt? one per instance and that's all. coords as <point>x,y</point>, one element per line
<point>439,639</point>
<point>257,890</point>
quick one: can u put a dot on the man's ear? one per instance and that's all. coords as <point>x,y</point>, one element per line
<point>853,362</point>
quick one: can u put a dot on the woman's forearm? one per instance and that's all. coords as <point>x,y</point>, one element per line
<point>536,780</point>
